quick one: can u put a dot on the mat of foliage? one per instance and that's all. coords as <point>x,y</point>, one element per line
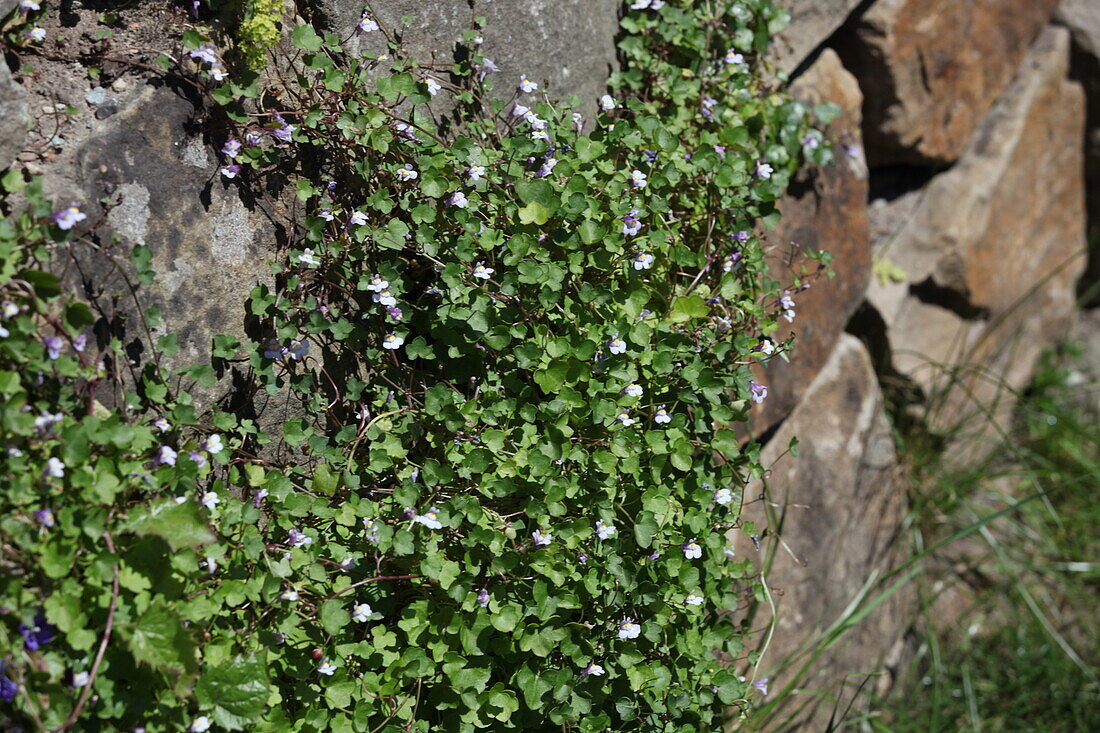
<point>515,336</point>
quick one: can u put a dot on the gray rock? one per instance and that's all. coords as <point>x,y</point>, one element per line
<point>837,508</point>
<point>567,46</point>
<point>210,245</point>
<point>1082,17</point>
<point>812,22</point>
<point>95,96</point>
<point>14,120</point>
<point>6,6</point>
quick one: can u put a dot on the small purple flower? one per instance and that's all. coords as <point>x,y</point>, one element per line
<point>274,350</point>
<point>205,53</point>
<point>367,24</point>
<point>298,538</point>
<point>485,68</point>
<point>650,156</point>
<point>284,132</point>
<point>811,142</point>
<point>68,217</point>
<point>852,151</point>
<point>764,171</point>
<point>253,139</point>
<point>80,342</point>
<point>542,540</point>
<point>8,689</point>
<point>742,236</point>
<point>656,554</point>
<point>53,345</point>
<point>230,171</point>
<point>258,499</point>
<point>394,312</point>
<point>232,148</point>
<point>44,517</point>
<point>631,224</point>
<point>55,468</point>
<point>582,559</point>
<point>721,150</point>
<point>483,598</point>
<point>731,261</point>
<point>197,457</point>
<point>759,392</point>
<point>298,350</point>
<point>165,456</point>
<point>458,199</point>
<point>39,634</point>
<point>762,685</point>
<point>546,168</point>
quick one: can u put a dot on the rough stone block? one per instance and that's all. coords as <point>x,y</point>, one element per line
<point>812,22</point>
<point>832,515</point>
<point>567,44</point>
<point>13,116</point>
<point>993,247</point>
<point>931,69</point>
<point>824,210</point>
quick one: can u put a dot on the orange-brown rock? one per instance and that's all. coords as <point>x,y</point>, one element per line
<point>829,520</point>
<point>993,249</point>
<point>931,70</point>
<point>824,210</point>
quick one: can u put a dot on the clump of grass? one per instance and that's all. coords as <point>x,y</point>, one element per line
<point>1022,650</point>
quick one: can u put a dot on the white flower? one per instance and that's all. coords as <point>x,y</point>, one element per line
<point>662,417</point>
<point>633,389</point>
<point>358,218</point>
<point>327,214</point>
<point>764,171</point>
<point>787,301</point>
<point>525,85</point>
<point>730,554</point>
<point>604,529</point>
<point>433,85</point>
<point>616,346</point>
<point>539,135</point>
<point>289,595</point>
<point>640,4</point>
<point>625,418</point>
<point>200,724</point>
<point>578,121</point>
<point>643,261</point>
<point>166,456</point>
<point>230,171</point>
<point>36,34</point>
<point>628,629</point>
<point>80,679</point>
<point>607,103</point>
<point>29,5</point>
<point>638,179</point>
<point>384,297</point>
<point>723,496</point>
<point>361,611</point>
<point>542,539</point>
<point>732,57</point>
<point>210,565</point>
<point>428,519</point>
<point>476,172</point>
<point>458,199</point>
<point>693,599</point>
<point>9,309</point>
<point>692,550</point>
<point>326,668</point>
<point>406,173</point>
<point>367,23</point>
<point>519,110</point>
<point>789,315</point>
<point>209,500</point>
<point>307,258</point>
<point>218,73</point>
<point>213,444</point>
<point>482,272</point>
<point>767,347</point>
<point>162,425</point>
<point>592,670</point>
<point>393,341</point>
<point>377,284</point>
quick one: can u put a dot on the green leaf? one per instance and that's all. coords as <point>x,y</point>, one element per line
<point>180,525</point>
<point>534,213</point>
<point>159,638</point>
<point>333,616</point>
<point>506,618</point>
<point>305,38</point>
<point>236,691</point>
<point>687,307</point>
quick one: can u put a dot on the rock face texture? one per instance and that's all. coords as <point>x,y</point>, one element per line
<point>824,211</point>
<point>812,22</point>
<point>995,246</point>
<point>930,70</point>
<point>13,116</point>
<point>567,45</point>
<point>832,541</point>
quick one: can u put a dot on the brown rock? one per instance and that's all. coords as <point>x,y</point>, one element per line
<point>832,516</point>
<point>824,210</point>
<point>812,22</point>
<point>931,70</point>
<point>992,248</point>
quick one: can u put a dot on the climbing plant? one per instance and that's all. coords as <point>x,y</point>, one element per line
<point>514,340</point>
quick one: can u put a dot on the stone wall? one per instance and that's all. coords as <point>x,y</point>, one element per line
<point>960,173</point>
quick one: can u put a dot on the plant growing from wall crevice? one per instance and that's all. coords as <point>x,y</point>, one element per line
<point>518,353</point>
